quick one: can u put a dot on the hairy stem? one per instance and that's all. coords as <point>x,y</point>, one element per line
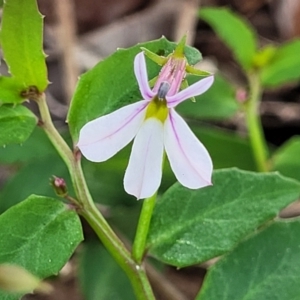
<point>58,142</point>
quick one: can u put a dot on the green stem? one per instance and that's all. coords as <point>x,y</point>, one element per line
<point>53,135</point>
<point>135,273</point>
<point>255,130</point>
<point>89,211</point>
<point>139,243</point>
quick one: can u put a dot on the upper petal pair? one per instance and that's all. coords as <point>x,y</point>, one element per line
<point>140,71</point>
<point>193,90</point>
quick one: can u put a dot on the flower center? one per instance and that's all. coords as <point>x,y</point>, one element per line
<point>158,109</point>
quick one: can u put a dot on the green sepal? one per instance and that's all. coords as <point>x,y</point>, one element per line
<point>194,71</point>
<point>160,60</point>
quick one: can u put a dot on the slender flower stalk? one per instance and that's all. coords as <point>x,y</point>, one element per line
<point>156,128</point>
<point>138,248</point>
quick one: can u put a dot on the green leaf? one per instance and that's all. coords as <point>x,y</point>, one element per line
<point>111,84</point>
<point>286,158</point>
<point>264,55</point>
<point>105,179</point>
<point>34,162</point>
<point>100,277</point>
<point>39,234</point>
<point>22,41</point>
<point>283,67</point>
<point>9,296</point>
<point>33,178</point>
<point>235,32</point>
<point>265,266</point>
<point>120,214</point>
<point>16,124</point>
<point>192,226</point>
<point>226,148</point>
<point>218,102</point>
<point>34,148</point>
<point>11,90</point>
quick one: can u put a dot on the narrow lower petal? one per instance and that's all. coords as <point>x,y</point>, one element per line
<point>140,71</point>
<point>144,171</point>
<point>188,158</point>
<point>102,138</point>
<point>193,90</point>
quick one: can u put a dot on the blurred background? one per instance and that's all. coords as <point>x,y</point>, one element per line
<point>80,33</point>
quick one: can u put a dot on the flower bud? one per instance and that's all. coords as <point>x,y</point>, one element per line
<point>59,185</point>
<point>241,95</point>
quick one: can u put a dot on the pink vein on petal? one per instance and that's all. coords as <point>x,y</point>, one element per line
<point>182,150</point>
<point>118,129</point>
<point>144,168</point>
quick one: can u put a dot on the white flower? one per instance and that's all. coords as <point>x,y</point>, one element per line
<point>155,127</point>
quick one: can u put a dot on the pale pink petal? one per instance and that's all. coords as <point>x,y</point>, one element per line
<point>193,90</point>
<point>188,158</point>
<point>140,71</point>
<point>144,171</point>
<point>102,138</point>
